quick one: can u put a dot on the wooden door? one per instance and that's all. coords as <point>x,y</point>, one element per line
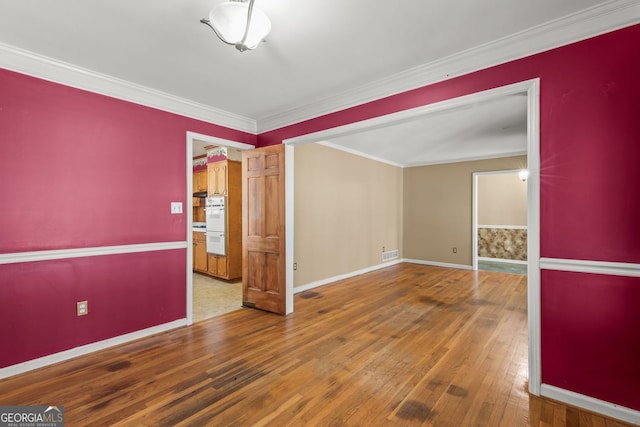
<point>263,227</point>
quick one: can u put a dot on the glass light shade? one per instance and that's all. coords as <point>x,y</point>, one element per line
<point>523,174</point>
<point>230,20</point>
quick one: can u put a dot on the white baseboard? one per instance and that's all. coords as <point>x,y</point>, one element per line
<point>508,261</point>
<point>591,404</point>
<point>86,349</point>
<point>318,283</point>
<point>439,264</point>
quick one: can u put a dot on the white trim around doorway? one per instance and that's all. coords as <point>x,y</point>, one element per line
<point>191,137</point>
<point>532,89</point>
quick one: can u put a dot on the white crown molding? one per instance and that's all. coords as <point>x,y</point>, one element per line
<point>43,67</point>
<point>358,153</point>
<point>502,155</point>
<point>419,164</point>
<point>588,23</point>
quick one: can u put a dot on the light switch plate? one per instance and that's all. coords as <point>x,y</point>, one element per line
<point>176,207</point>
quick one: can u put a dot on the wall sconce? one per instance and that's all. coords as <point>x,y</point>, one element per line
<point>523,174</point>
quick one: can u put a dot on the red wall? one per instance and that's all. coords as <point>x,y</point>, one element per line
<point>590,325</point>
<point>126,292</point>
<point>85,170</point>
<point>78,170</point>
<point>590,201</point>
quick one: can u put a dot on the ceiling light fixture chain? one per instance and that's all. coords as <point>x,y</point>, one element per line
<point>238,24</point>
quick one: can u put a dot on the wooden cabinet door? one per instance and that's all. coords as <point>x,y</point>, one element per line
<point>212,265</point>
<point>221,265</point>
<point>263,229</point>
<point>218,266</point>
<point>217,177</point>
<point>200,181</point>
<point>200,252</point>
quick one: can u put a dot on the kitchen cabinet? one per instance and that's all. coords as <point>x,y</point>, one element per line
<point>200,261</point>
<point>234,220</point>
<point>200,180</point>
<point>217,265</point>
<point>224,179</point>
<point>198,209</point>
<point>218,178</point>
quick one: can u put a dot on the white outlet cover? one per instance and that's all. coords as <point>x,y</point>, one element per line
<point>176,207</point>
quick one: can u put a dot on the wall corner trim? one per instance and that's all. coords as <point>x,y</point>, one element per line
<point>86,349</point>
<point>43,67</point>
<point>592,404</point>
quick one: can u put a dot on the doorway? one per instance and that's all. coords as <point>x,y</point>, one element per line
<point>529,88</point>
<point>207,296</point>
<point>500,228</point>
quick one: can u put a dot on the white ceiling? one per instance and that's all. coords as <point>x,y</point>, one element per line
<point>316,50</point>
<point>487,129</point>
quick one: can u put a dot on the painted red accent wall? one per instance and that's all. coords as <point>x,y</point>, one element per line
<point>590,325</point>
<point>78,169</point>
<point>125,292</point>
<point>590,197</point>
<point>71,175</point>
<point>83,170</point>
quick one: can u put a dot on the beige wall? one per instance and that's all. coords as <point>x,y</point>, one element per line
<point>346,208</point>
<point>502,200</point>
<point>437,208</point>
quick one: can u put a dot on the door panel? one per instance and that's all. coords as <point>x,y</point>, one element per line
<point>263,222</point>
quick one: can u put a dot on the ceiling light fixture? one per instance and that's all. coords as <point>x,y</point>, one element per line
<point>239,24</point>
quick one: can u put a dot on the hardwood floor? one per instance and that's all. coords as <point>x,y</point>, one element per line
<point>406,345</point>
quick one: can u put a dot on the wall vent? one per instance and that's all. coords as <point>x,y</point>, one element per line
<point>388,255</point>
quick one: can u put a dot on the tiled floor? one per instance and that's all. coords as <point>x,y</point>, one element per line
<point>502,267</point>
<point>213,297</point>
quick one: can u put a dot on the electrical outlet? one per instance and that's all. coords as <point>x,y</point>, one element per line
<point>82,308</point>
<point>383,249</point>
<point>295,265</point>
<point>455,250</point>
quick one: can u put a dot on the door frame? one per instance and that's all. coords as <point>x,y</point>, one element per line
<point>191,136</point>
<point>474,211</point>
<point>529,87</point>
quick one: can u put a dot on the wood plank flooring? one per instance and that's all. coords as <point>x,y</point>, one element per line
<point>405,345</point>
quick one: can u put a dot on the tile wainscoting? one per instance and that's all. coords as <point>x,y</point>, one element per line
<point>502,242</point>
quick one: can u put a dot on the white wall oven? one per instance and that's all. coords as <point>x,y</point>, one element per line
<point>216,224</point>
